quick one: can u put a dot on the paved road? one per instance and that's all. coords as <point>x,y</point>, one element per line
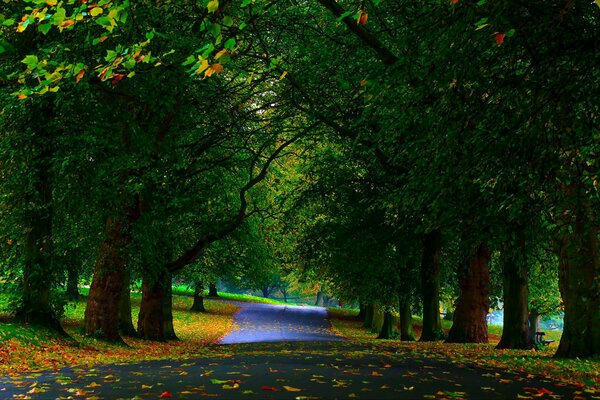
<point>279,323</point>
<point>299,370</point>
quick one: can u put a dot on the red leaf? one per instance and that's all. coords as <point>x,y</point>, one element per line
<point>363,19</point>
<point>165,395</point>
<point>80,75</point>
<point>499,38</point>
<point>270,388</point>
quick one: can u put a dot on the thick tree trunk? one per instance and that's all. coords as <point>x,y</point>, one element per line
<point>470,324</point>
<point>102,310</point>
<point>388,327</point>
<point>579,277</point>
<point>198,305</point>
<point>212,290</point>
<point>38,271</point>
<point>430,287</point>
<point>369,314</point>
<point>515,333</point>
<point>406,324</point>
<point>125,319</point>
<point>378,317</point>
<point>155,321</point>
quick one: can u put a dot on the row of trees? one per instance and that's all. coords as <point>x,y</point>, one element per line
<point>414,137</point>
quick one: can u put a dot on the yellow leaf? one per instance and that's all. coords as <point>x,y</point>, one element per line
<point>224,51</point>
<point>146,386</point>
<point>93,385</point>
<point>291,389</point>
<point>96,11</point>
<point>203,66</point>
<point>213,5</point>
<point>597,2</point>
<point>51,3</point>
<point>283,75</point>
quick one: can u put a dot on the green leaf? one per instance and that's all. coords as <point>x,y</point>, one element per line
<point>230,44</point>
<point>8,22</point>
<point>512,32</point>
<point>44,28</point>
<point>150,35</point>
<point>31,61</point>
<point>129,64</point>
<point>228,21</point>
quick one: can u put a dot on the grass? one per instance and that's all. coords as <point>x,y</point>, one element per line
<point>187,291</point>
<point>584,373</point>
<point>26,348</point>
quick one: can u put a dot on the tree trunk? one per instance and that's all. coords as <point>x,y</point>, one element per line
<point>533,322</point>
<point>265,292</point>
<point>579,274</point>
<point>406,325</point>
<point>168,328</point>
<point>155,321</point>
<point>470,324</point>
<point>72,291</point>
<point>125,319</point>
<point>198,305</point>
<point>212,290</point>
<point>102,310</point>
<point>369,314</point>
<point>319,301</point>
<point>430,287</point>
<point>38,272</point>
<point>515,333</point>
<point>362,312</point>
<point>388,327</point>
<point>378,319</point>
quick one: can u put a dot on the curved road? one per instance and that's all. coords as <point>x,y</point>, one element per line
<point>279,323</point>
<point>300,359</point>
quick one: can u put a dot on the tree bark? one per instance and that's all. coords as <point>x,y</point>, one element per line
<point>362,312</point>
<point>579,275</point>
<point>407,332</point>
<point>212,290</point>
<point>38,272</point>
<point>378,319</point>
<point>533,321</point>
<point>265,292</point>
<point>430,287</point>
<point>388,327</point>
<point>155,321</point>
<point>125,319</point>
<point>369,314</point>
<point>198,305</point>
<point>515,333</point>
<point>470,324</point>
<point>102,310</point>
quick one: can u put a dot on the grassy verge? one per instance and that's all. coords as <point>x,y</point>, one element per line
<point>187,291</point>
<point>584,373</point>
<point>25,348</point>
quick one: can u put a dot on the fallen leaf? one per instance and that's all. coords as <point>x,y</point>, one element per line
<point>269,388</point>
<point>165,395</point>
<point>291,389</point>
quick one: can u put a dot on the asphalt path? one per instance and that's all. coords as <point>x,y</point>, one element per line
<point>279,323</point>
<point>323,367</point>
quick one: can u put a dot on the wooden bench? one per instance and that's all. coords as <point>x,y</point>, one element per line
<point>539,338</point>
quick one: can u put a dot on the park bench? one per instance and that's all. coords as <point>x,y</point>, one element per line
<point>539,338</point>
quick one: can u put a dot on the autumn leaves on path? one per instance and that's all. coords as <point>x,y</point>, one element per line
<point>295,368</point>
